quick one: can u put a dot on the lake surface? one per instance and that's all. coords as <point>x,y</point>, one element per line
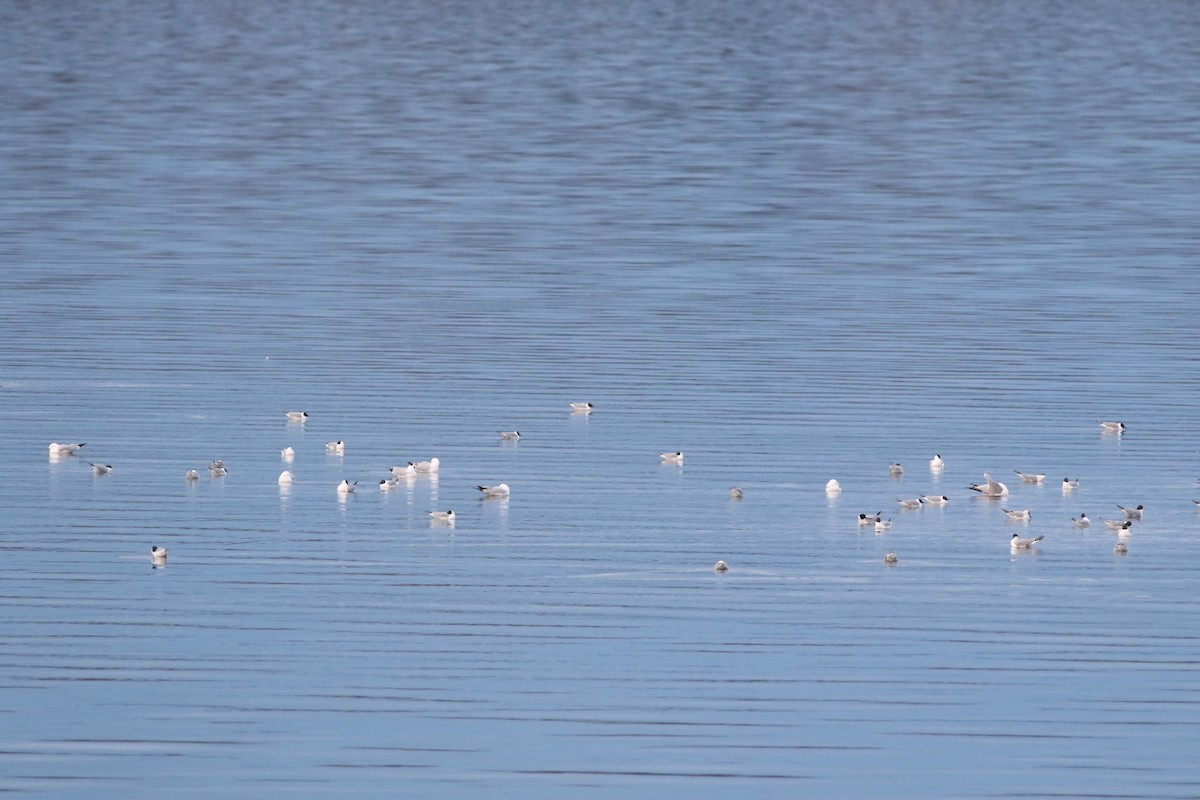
<point>796,241</point>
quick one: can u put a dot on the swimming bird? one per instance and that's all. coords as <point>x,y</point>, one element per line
<point>914,503</point>
<point>832,486</point>
<point>101,469</point>
<point>387,484</point>
<point>882,525</point>
<point>584,408</point>
<point>286,477</point>
<point>441,516</point>
<point>1081,521</point>
<point>404,472</point>
<point>935,499</point>
<point>990,487</point>
<point>867,519</point>
<point>337,448</point>
<point>1031,477</point>
<point>287,453</point>
<point>57,449</point>
<point>509,436</point>
<point>721,566</point>
<point>895,470</point>
<point>890,558</point>
<point>1118,524</point>
<point>1017,543</point>
<point>936,462</point>
<point>345,487</point>
<point>736,494</point>
<point>217,468</point>
<point>296,416</point>
<point>158,554</point>
<point>1022,514</point>
<point>1113,427</point>
<point>192,475</point>
<point>499,490</point>
<point>431,465</point>
<point>1121,548</point>
<point>671,458</point>
<point>1132,513</point>
<point>1069,485</point>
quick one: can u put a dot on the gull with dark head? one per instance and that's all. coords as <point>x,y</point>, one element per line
<point>1069,485</point>
<point>1017,543</point>
<point>1081,521</point>
<point>910,503</point>
<point>337,448</point>
<point>296,416</point>
<point>101,469</point>
<point>1117,524</point>
<point>1132,513</point>
<point>509,436</point>
<point>935,499</point>
<point>582,408</point>
<point>346,487</point>
<point>895,470</point>
<point>442,517</point>
<point>499,490</point>
<point>1113,427</point>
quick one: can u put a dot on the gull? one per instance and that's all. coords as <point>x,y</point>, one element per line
<point>895,470</point>
<point>296,416</point>
<point>1030,477</point>
<point>936,462</point>
<point>1017,543</point>
<point>346,487</point>
<point>57,449</point>
<point>671,458</point>
<point>217,468</point>
<point>990,488</point>
<point>1118,524</point>
<point>583,408</point>
<point>338,447</point>
<point>935,500</point>
<point>509,436</point>
<point>867,519</point>
<point>286,477</point>
<point>101,469</point>
<point>721,566</point>
<point>404,472</point>
<point>1113,427</point>
<point>387,484</point>
<point>890,558</point>
<point>909,504</point>
<point>192,475</point>
<point>1197,504</point>
<point>499,490</point>
<point>426,466</point>
<point>882,525</point>
<point>832,486</point>
<point>1081,521</point>
<point>1023,514</point>
<point>1121,548</point>
<point>442,516</point>
<point>287,453</point>
<point>736,494</point>
<point>1132,513</point>
<point>158,554</point>
<point>1069,485</point>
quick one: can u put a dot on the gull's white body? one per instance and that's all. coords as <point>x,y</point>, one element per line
<point>990,487</point>
<point>499,490</point>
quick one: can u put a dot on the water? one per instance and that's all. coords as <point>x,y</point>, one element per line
<point>796,241</point>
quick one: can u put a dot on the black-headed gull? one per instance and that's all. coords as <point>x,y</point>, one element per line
<point>296,416</point>
<point>442,516</point>
<point>1113,427</point>
<point>736,494</point>
<point>671,458</point>
<point>1031,477</point>
<point>1117,524</point>
<point>936,462</point>
<point>990,487</point>
<point>1017,543</point>
<point>935,499</point>
<point>1069,485</point>
<point>57,449</point>
<point>1132,513</point>
<point>890,558</point>
<point>337,448</point>
<point>721,566</point>
<point>346,487</point>
<point>286,477</point>
<point>509,436</point>
<point>158,554</point>
<point>868,519</point>
<point>910,503</point>
<point>499,490</point>
<point>1022,514</point>
<point>882,525</point>
<point>1081,521</point>
<point>101,469</point>
<point>432,465</point>
<point>583,408</point>
<point>895,470</point>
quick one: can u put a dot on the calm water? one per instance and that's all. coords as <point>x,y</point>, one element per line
<point>794,240</point>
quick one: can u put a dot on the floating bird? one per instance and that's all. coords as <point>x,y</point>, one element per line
<point>583,408</point>
<point>1113,427</point>
<point>337,448</point>
<point>346,487</point>
<point>721,566</point>
<point>1118,524</point>
<point>509,436</point>
<point>1030,477</point>
<point>1081,521</point>
<point>736,494</point>
<point>1132,513</point>
<point>936,462</point>
<point>287,453</point>
<point>914,503</point>
<point>217,468</point>
<point>1197,504</point>
<point>296,416</point>
<point>990,487</point>
<point>1121,548</point>
<point>895,470</point>
<point>387,484</point>
<point>1069,485</point>
<point>409,471</point>
<point>1017,543</point>
<point>101,469</point>
<point>890,558</point>
<point>192,475</point>
<point>867,519</point>
<point>935,499</point>
<point>671,458</point>
<point>441,516</point>
<point>882,525</point>
<point>158,554</point>
<point>832,486</point>
<point>431,465</point>
<point>499,490</point>
<point>57,449</point>
<point>286,477</point>
<point>1023,514</point>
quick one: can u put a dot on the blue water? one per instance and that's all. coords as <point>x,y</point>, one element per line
<point>797,241</point>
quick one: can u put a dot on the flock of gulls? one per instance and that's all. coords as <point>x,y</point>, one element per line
<point>990,488</point>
